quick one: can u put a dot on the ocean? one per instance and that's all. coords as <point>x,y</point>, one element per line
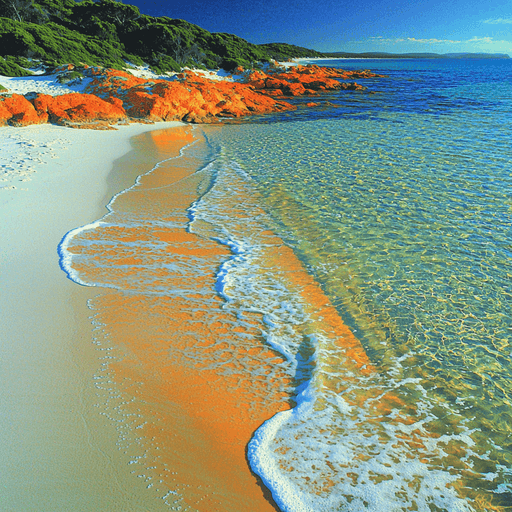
<point>344,273</point>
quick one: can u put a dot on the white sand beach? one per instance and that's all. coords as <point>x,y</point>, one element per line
<point>57,451</point>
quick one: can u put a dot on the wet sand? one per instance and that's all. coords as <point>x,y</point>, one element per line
<point>57,453</point>
<point>186,427</point>
<point>189,381</point>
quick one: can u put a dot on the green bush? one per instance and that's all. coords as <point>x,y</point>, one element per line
<point>56,9</point>
<point>8,67</point>
<point>123,18</point>
<point>284,51</point>
<point>23,10</point>
<point>161,63</point>
<point>70,76</point>
<point>24,63</point>
<point>57,44</point>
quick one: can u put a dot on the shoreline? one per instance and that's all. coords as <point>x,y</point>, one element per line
<point>193,373</point>
<point>351,262</point>
<point>58,451</point>
<point>191,444</point>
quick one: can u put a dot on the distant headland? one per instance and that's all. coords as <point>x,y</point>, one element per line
<point>385,55</point>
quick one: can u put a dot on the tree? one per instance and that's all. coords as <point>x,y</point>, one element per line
<point>22,10</point>
<point>110,11</point>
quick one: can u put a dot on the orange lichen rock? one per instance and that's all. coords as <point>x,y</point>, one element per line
<point>255,75</point>
<point>189,97</point>
<point>16,110</point>
<point>79,109</point>
<point>117,96</point>
<point>300,80</point>
<point>65,67</point>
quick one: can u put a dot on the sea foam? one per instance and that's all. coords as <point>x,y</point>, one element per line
<point>67,257</point>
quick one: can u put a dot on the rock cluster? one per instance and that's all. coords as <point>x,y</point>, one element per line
<point>300,80</point>
<point>114,97</point>
<point>189,97</point>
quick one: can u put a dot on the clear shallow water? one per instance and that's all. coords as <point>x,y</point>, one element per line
<point>398,204</point>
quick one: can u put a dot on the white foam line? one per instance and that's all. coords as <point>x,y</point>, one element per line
<point>284,494</point>
<point>65,257</point>
<point>137,180</point>
<point>259,448</point>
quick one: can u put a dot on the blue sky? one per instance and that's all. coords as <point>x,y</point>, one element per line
<point>440,26</point>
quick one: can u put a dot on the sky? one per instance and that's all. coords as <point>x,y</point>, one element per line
<point>401,26</point>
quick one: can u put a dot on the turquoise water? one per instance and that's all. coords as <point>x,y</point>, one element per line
<point>399,203</point>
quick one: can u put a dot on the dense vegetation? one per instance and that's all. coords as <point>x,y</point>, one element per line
<point>11,66</point>
<point>284,51</point>
<point>110,33</point>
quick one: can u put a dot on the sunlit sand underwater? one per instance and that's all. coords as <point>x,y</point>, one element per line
<point>318,306</point>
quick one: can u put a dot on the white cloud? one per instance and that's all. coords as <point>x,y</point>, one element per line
<point>498,21</point>
<point>473,40</point>
<point>475,44</point>
<point>489,40</point>
<point>430,41</point>
<point>412,40</point>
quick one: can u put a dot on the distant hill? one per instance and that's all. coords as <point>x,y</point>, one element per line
<point>384,55</point>
<point>476,56</point>
<point>283,51</point>
<point>109,33</point>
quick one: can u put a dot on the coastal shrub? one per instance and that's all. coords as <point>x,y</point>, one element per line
<point>14,39</point>
<point>235,51</point>
<point>8,67</point>
<point>162,63</point>
<point>99,28</point>
<point>122,17</point>
<point>69,46</point>
<point>23,10</point>
<point>131,58</point>
<point>56,9</point>
<point>283,51</point>
<point>151,39</point>
<point>25,63</point>
<point>70,77</point>
<point>163,36</point>
<point>57,44</point>
<point>190,45</point>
